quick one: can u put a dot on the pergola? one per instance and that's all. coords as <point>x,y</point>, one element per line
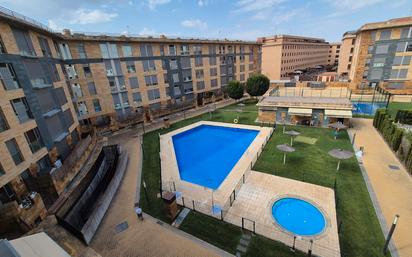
<point>292,134</point>
<point>285,149</point>
<point>340,154</point>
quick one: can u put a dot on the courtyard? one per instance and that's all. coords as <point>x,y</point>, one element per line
<point>357,225</point>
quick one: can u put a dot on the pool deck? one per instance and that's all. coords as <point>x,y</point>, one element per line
<point>256,197</point>
<point>199,195</point>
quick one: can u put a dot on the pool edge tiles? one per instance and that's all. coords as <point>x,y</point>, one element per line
<point>171,180</point>
<point>206,154</point>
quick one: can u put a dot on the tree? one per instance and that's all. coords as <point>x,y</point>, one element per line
<point>257,85</point>
<point>235,89</point>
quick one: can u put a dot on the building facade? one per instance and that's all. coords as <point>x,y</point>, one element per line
<point>382,55</point>
<point>38,122</point>
<point>52,85</point>
<point>346,54</point>
<point>282,55</point>
<point>333,55</point>
<point>119,77</point>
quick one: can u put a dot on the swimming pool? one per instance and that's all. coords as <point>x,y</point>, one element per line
<point>206,154</point>
<point>367,108</point>
<point>298,216</point>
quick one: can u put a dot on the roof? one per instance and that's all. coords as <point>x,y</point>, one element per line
<point>398,22</point>
<point>307,102</point>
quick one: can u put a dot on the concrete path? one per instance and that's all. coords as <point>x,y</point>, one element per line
<point>393,188</point>
<point>140,238</point>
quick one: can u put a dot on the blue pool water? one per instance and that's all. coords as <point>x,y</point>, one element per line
<point>367,108</point>
<point>206,154</point>
<point>298,216</point>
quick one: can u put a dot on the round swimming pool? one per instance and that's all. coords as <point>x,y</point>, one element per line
<point>298,216</point>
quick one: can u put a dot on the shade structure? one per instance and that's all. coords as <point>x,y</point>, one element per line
<point>285,149</point>
<point>337,125</point>
<point>292,133</point>
<point>300,111</point>
<point>340,154</point>
<point>338,113</point>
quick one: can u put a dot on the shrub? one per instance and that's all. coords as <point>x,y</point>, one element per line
<point>257,85</point>
<point>235,89</point>
<point>404,117</point>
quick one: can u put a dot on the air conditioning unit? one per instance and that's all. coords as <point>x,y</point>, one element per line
<point>123,87</point>
<point>109,72</point>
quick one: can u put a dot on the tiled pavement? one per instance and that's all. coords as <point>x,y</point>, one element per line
<point>141,238</point>
<point>393,188</point>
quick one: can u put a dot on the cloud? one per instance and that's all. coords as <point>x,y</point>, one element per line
<point>53,25</point>
<point>352,4</point>
<point>83,16</point>
<point>255,5</point>
<point>154,3</point>
<point>194,23</point>
<point>202,3</point>
<point>148,32</point>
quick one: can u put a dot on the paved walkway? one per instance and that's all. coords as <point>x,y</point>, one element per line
<point>141,238</point>
<point>393,188</point>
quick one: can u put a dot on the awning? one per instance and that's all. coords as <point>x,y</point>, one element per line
<point>338,113</point>
<point>300,111</point>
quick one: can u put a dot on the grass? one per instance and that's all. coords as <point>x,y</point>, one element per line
<point>360,234</point>
<point>395,106</point>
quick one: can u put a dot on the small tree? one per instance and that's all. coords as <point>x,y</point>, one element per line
<point>257,85</point>
<point>235,89</point>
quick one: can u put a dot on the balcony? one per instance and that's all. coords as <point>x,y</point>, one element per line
<point>115,90</point>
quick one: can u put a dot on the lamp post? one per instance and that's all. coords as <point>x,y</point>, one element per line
<point>388,238</point>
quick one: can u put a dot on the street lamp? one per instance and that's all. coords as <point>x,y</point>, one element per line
<point>388,238</point>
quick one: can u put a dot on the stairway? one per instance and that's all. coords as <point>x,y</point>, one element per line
<point>243,244</point>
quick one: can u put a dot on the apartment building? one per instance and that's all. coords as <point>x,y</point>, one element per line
<point>52,83</point>
<point>38,122</point>
<point>282,55</point>
<point>122,77</point>
<point>346,54</point>
<point>333,54</point>
<point>382,55</point>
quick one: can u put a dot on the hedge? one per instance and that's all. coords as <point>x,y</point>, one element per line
<point>404,117</point>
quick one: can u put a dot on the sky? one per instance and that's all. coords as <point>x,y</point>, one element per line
<point>241,19</point>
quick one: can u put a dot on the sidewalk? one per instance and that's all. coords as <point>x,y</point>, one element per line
<point>141,238</point>
<point>393,188</point>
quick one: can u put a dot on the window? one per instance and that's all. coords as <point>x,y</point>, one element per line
<point>409,47</point>
<point>146,50</point>
<point>184,50</point>
<point>108,50</point>
<point>23,42</point>
<point>21,109</point>
<point>213,83</point>
<point>2,47</point>
<point>153,94</point>
<point>165,78</point>
<point>2,172</point>
<point>127,51</point>
<point>34,140</point>
<point>8,77</point>
<point>65,51</point>
<point>77,90</point>
<point>96,105</point>
<point>92,88</point>
<point>401,47</point>
<point>162,50</point>
<point>379,62</point>
<point>175,77</point>
<point>187,75</point>
<point>399,73</point>
<point>376,74</point>
<point>385,35</point>
<point>401,60</point>
<point>198,61</point>
<point>133,82</point>
<point>199,74</point>
<point>242,77</point>
<point>213,71</point>
<point>173,64</point>
<point>406,32</point>
<point>4,125</point>
<point>212,49</point>
<point>14,151</point>
<point>131,68</point>
<point>150,80</point>
<point>200,85</point>
<point>212,61</point>
<point>137,98</point>
<point>81,50</point>
<point>185,62</point>
<point>176,90</point>
<point>197,49</point>
<point>44,47</point>
<point>149,65</point>
<point>242,68</point>
<point>87,71</point>
<point>251,66</point>
<point>382,48</point>
<point>172,50</point>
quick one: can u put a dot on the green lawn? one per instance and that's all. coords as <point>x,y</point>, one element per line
<point>360,235</point>
<point>395,106</point>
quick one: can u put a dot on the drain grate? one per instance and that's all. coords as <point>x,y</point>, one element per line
<point>121,227</point>
<point>159,222</point>
<point>394,167</point>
